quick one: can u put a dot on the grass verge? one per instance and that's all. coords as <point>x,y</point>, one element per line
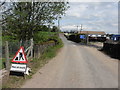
<point>35,64</point>
<point>2,63</point>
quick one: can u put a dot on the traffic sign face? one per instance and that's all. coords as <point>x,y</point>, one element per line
<point>20,57</point>
<point>18,67</point>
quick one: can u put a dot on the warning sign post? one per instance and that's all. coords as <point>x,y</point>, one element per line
<point>20,56</point>
<point>20,62</point>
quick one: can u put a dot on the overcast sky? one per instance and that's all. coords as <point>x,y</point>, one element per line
<point>94,16</point>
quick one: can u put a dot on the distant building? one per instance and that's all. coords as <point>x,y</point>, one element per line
<point>94,33</point>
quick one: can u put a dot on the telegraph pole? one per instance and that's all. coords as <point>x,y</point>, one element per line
<point>87,38</point>
<point>77,28</point>
<point>59,22</point>
<point>81,28</point>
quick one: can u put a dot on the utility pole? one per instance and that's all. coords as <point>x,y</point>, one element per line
<point>87,41</point>
<point>58,25</point>
<point>59,22</point>
<point>77,28</point>
<point>81,28</point>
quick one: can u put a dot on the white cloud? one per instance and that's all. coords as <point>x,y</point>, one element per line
<point>68,27</point>
<point>108,6</point>
<point>116,24</point>
<point>76,11</point>
<point>93,0</point>
<point>94,16</point>
<point>61,0</point>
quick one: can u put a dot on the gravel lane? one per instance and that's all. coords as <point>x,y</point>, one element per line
<point>76,66</point>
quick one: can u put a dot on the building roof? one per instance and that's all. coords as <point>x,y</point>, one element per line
<point>93,32</point>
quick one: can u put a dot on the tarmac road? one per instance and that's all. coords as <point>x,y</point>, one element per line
<point>77,66</point>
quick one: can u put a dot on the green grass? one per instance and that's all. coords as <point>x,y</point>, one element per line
<point>35,64</point>
<point>49,53</point>
<point>2,63</point>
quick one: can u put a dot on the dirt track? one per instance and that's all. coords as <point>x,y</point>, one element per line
<point>77,66</point>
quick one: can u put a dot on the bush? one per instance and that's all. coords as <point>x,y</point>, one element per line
<point>9,38</point>
<point>41,37</point>
<point>76,38</point>
<point>112,49</point>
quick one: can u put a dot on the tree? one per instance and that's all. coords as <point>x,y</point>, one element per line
<point>55,29</point>
<point>23,19</point>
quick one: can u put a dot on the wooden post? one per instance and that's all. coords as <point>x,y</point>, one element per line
<point>7,56</point>
<point>87,38</point>
<point>32,48</point>
<point>20,42</point>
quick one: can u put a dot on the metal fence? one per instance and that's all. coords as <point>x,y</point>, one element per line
<point>14,47</point>
<point>31,51</point>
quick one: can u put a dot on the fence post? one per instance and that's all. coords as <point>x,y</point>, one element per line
<point>38,51</point>
<point>20,42</point>
<point>7,63</point>
<point>32,48</point>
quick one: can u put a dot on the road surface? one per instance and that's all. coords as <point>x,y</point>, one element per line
<point>77,66</point>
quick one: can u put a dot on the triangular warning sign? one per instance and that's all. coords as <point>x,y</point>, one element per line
<point>20,56</point>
